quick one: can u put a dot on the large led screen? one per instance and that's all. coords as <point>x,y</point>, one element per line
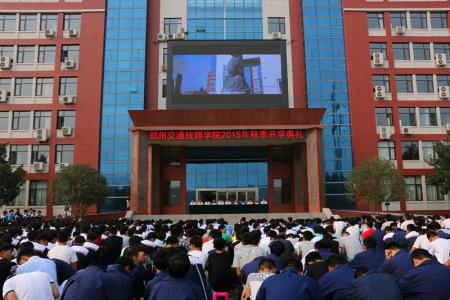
<point>226,74</point>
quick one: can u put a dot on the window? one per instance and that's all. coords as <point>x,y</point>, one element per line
<point>382,80</point>
<point>418,20</point>
<point>20,199</point>
<point>171,192</point>
<point>164,56</point>
<point>5,84</point>
<point>7,22</point>
<point>404,83</point>
<point>70,52</point>
<point>172,25</point>
<point>25,54</point>
<point>21,120</point>
<point>445,115</point>
<point>438,19</point>
<point>384,116</point>
<point>38,193</point>
<point>375,20</point>
<point>428,150</point>
<point>401,51</point>
<point>4,120</point>
<point>40,153</point>
<point>443,80</point>
<point>282,191</point>
<point>7,51</point>
<point>66,118</point>
<point>18,154</point>
<point>23,87</point>
<point>44,87</point>
<point>164,88</point>
<point>421,51</point>
<point>398,19</point>
<point>428,116</point>
<point>281,154</point>
<point>42,119</point>
<point>386,150</point>
<point>68,86</point>
<point>410,150</point>
<point>46,54</point>
<point>413,188</point>
<point>442,48</point>
<point>171,156</point>
<point>72,21</point>
<point>434,193</point>
<point>407,116</point>
<point>378,47</point>
<point>64,154</point>
<point>27,22</point>
<point>277,25</point>
<point>49,21</point>
<point>424,83</point>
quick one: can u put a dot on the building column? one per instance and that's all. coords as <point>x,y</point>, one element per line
<point>299,177</point>
<point>314,169</point>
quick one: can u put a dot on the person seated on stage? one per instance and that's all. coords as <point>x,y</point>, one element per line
<point>235,202</point>
<point>263,201</point>
<point>192,202</point>
<point>250,202</point>
<point>206,203</point>
<point>228,202</point>
<point>242,202</point>
<point>256,202</point>
<point>220,202</point>
<point>214,202</point>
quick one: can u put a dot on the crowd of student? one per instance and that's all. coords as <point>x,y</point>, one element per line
<point>360,258</point>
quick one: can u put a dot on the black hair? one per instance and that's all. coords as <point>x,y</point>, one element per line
<point>125,261</point>
<point>79,240</point>
<point>219,243</point>
<point>370,242</point>
<point>335,260</point>
<point>6,247</point>
<point>171,240</point>
<point>178,265</point>
<point>312,257</point>
<point>293,263</point>
<point>215,233</point>
<point>63,236</point>
<point>134,240</point>
<point>392,246</point>
<point>420,254</point>
<point>277,248</point>
<point>196,241</point>
<point>266,263</point>
<point>307,235</point>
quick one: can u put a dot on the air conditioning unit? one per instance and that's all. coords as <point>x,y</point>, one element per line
<point>62,166</point>
<point>4,96</point>
<point>440,59</point>
<point>73,32</point>
<point>406,130</point>
<point>379,92</point>
<point>41,135</point>
<point>38,166</point>
<point>67,131</point>
<point>5,62</point>
<point>164,68</point>
<point>171,36</point>
<point>180,36</point>
<point>69,64</point>
<point>444,92</point>
<point>384,132</point>
<point>162,37</point>
<point>49,33</point>
<point>400,30</point>
<point>68,99</point>
<point>277,35</point>
<point>378,58</point>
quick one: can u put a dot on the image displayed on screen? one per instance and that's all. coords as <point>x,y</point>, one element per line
<point>221,74</point>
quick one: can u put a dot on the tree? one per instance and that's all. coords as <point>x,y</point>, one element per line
<point>80,186</point>
<point>441,164</point>
<point>10,179</point>
<point>376,181</point>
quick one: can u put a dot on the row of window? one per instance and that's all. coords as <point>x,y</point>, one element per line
<point>34,22</point>
<point>428,116</point>
<point>411,51</point>
<point>415,20</point>
<point>410,150</point>
<point>41,87</point>
<point>18,154</point>
<point>415,193</point>
<point>37,195</point>
<point>22,120</point>
<point>412,83</point>
<point>41,54</point>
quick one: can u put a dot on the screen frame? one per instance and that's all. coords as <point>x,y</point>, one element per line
<point>226,101</point>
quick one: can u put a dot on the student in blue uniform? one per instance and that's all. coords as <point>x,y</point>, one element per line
<point>427,280</point>
<point>117,280</point>
<point>335,283</point>
<point>378,235</point>
<point>160,262</point>
<point>397,262</point>
<point>371,258</point>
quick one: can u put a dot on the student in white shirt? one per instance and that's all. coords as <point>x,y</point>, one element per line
<point>62,251</point>
<point>30,286</point>
<point>350,245</point>
<point>440,248</point>
<point>196,255</point>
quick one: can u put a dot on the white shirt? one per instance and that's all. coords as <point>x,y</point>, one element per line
<point>440,248</point>
<point>208,246</point>
<point>80,249</point>
<point>338,226</point>
<point>64,253</point>
<point>386,224</point>
<point>196,256</point>
<point>351,245</point>
<point>303,247</point>
<point>405,223</point>
<point>446,224</point>
<point>353,230</point>
<point>422,242</point>
<point>30,286</point>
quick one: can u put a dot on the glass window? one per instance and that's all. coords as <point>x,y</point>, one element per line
<point>386,150</point>
<point>72,21</point>
<point>398,19</point>
<point>40,153</point>
<point>66,118</point>
<point>410,150</point>
<point>164,88</point>
<point>23,87</point>
<point>445,115</point>
<point>7,51</point>
<point>164,56</point>
<point>27,22</point>
<point>382,80</point>
<point>49,21</point>
<point>7,22</point>
<point>171,156</point>
<point>4,120</point>
<point>421,51</point>
<point>407,116</point>
<point>38,193</point>
<point>282,191</point>
<point>281,154</point>
<point>424,83</point>
<point>384,116</point>
<point>171,192</point>
<point>418,20</point>
<point>46,54</point>
<point>18,154</point>
<point>443,80</point>
<point>428,150</point>
<point>438,19</point>
<point>428,116</point>
<point>401,51</point>
<point>42,119</point>
<point>21,120</point>
<point>413,188</point>
<point>20,199</point>
<point>25,54</point>
<point>64,154</point>
<point>172,25</point>
<point>5,84</point>
<point>44,87</point>
<point>434,193</point>
<point>277,25</point>
<point>68,86</point>
<point>404,83</point>
<point>70,52</point>
<point>442,48</point>
<point>375,20</point>
<point>378,47</point>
